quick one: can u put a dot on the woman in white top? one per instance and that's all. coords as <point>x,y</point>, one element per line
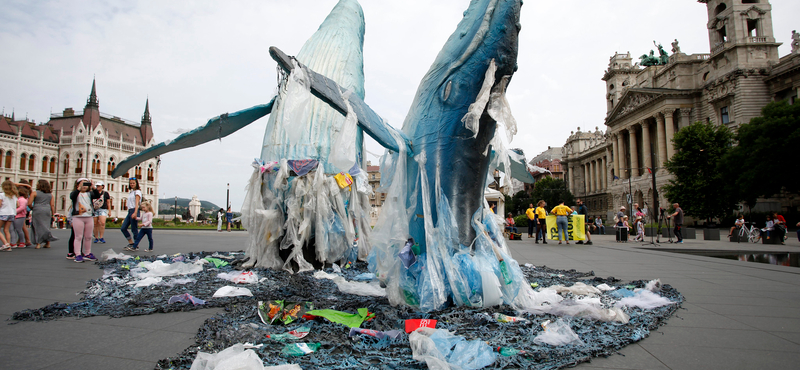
<point>132,219</point>
<point>8,212</point>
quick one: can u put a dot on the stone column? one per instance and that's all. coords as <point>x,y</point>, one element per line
<point>634,152</point>
<point>570,170</point>
<point>622,158</point>
<point>646,151</point>
<point>661,140</point>
<point>616,150</point>
<point>605,171</point>
<point>670,132</point>
<point>685,117</point>
<point>585,179</point>
<point>593,176</point>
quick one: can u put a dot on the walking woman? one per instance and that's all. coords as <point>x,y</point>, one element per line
<point>43,207</point>
<point>21,231</point>
<point>132,219</point>
<point>561,211</point>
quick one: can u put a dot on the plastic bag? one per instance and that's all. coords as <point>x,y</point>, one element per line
<point>471,120</point>
<point>110,254</point>
<point>557,333</point>
<point>296,104</point>
<point>148,281</point>
<point>186,298</point>
<point>235,357</point>
<point>239,277</point>
<point>343,152</point>
<point>440,349</point>
<point>643,298</point>
<point>231,291</point>
<point>159,268</point>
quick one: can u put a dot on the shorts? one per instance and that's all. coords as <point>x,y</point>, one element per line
<point>7,217</point>
<point>101,212</point>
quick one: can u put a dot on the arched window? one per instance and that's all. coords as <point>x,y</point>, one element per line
<point>79,163</point>
<point>150,172</point>
<point>9,158</point>
<point>96,164</point>
<point>139,172</point>
<point>66,164</point>
<point>112,165</point>
<point>52,165</point>
<point>23,161</point>
<point>31,162</point>
<point>44,164</point>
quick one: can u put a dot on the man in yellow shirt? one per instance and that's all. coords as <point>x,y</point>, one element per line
<point>561,211</point>
<point>531,213</point>
<point>541,224</point>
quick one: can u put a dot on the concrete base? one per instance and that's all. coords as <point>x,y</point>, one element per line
<point>711,234</point>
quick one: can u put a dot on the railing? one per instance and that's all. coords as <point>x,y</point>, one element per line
<point>127,147</point>
<point>78,139</point>
<point>718,47</point>
<point>113,144</point>
<point>702,56</point>
<point>98,141</point>
<point>66,140</point>
<point>758,39</point>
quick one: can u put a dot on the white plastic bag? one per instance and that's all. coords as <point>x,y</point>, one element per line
<point>296,105</point>
<point>232,291</point>
<point>110,254</point>
<point>343,152</point>
<point>557,333</point>
<point>235,357</point>
<point>239,277</point>
<point>159,268</point>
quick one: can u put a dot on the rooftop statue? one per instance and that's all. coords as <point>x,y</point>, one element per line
<point>652,60</point>
<point>435,169</point>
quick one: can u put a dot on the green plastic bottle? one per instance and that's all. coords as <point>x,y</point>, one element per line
<point>299,349</point>
<point>508,351</point>
<point>505,273</point>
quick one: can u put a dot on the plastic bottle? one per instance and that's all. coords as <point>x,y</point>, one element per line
<point>508,351</point>
<point>505,273</point>
<point>299,349</point>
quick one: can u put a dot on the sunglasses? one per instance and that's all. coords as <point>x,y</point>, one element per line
<point>132,178</point>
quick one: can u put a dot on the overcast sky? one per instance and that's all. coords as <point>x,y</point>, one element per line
<point>198,59</point>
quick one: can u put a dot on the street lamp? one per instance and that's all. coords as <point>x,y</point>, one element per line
<point>176,206</point>
<point>228,198</point>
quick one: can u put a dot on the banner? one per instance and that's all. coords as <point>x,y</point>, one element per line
<point>576,229</point>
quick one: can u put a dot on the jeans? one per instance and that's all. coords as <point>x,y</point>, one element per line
<point>531,226</point>
<point>142,232</point>
<point>133,223</point>
<point>561,223</point>
<point>513,229</point>
<point>678,233</point>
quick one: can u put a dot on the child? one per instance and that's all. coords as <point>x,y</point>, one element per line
<point>770,226</point>
<point>625,225</point>
<point>8,212</point>
<point>639,229</point>
<point>147,227</point>
<point>736,225</point>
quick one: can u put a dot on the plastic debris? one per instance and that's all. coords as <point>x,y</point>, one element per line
<point>236,357</point>
<point>644,298</point>
<point>281,312</point>
<point>508,351</point>
<point>186,298</point>
<point>299,349</point>
<point>148,281</point>
<point>352,320</point>
<point>159,268</point>
<point>414,324</point>
<point>504,318</point>
<point>216,261</point>
<point>296,334</point>
<point>352,287</point>
<point>557,333</point>
<point>110,254</point>
<point>392,334</point>
<point>239,277</point>
<point>440,349</point>
<point>232,291</point>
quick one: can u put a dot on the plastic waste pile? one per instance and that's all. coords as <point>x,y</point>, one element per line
<point>300,319</point>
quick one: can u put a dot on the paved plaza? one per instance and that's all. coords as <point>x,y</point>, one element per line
<point>737,315</point>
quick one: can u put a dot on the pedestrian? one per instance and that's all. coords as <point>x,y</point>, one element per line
<point>147,227</point>
<point>678,222</point>
<point>582,210</point>
<point>620,215</point>
<point>639,229</point>
<point>82,210</point>
<point>625,226</point>
<point>531,213</point>
<point>100,214</point>
<point>220,216</point>
<point>561,211</point>
<point>229,218</point>
<point>21,235</point>
<point>599,223</point>
<point>8,212</point>
<point>639,212</point>
<point>132,219</point>
<point>510,224</point>
<point>541,221</point>
<point>42,210</point>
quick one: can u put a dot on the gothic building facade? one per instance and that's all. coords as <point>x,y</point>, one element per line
<point>75,144</point>
<point>648,104</point>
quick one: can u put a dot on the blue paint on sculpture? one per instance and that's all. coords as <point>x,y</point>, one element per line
<point>488,31</point>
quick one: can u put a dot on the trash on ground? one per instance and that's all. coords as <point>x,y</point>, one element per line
<point>232,291</point>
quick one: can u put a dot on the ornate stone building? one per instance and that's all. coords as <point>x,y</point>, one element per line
<point>75,144</point>
<point>549,160</point>
<point>648,104</point>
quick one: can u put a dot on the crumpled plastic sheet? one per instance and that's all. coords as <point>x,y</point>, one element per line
<point>558,333</point>
<point>232,291</point>
<point>159,268</point>
<point>239,277</point>
<point>186,298</point>
<point>240,322</point>
<point>235,357</point>
<point>110,254</point>
<point>353,287</point>
<point>442,350</point>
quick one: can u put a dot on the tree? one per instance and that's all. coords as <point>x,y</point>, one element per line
<point>699,185</point>
<point>551,190</point>
<point>764,161</point>
<point>518,203</point>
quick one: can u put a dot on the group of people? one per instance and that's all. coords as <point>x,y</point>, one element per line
<point>21,207</point>
<point>537,221</point>
<point>775,227</point>
<point>223,215</point>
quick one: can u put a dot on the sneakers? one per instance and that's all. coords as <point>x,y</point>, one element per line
<point>79,259</point>
<point>148,250</point>
<point>90,257</point>
<point>130,248</point>
<point>95,240</point>
<point>70,256</point>
<point>588,243</point>
<point>580,242</point>
<point>680,242</point>
<point>102,241</point>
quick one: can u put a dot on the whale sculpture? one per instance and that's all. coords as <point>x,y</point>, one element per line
<point>435,168</point>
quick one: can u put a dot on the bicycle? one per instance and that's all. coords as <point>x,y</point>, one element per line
<point>752,233</point>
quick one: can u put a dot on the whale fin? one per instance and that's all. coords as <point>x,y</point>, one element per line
<point>519,167</point>
<point>216,128</point>
<point>328,91</point>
